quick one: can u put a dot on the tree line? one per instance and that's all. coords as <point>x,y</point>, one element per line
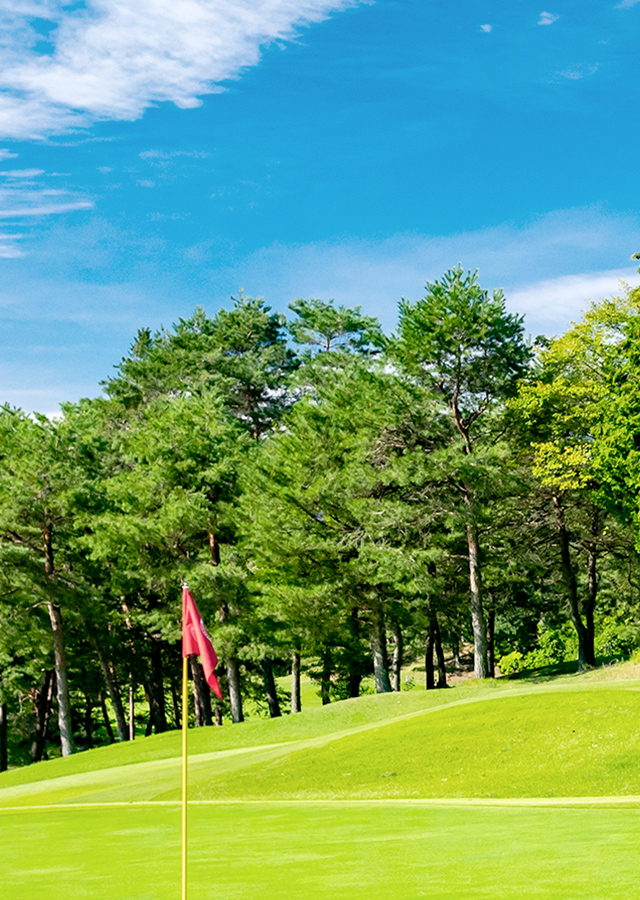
<point>341,501</point>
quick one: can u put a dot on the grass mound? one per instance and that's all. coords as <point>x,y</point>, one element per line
<point>494,740</point>
<point>548,744</point>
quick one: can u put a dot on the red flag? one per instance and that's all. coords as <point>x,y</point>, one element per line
<point>195,639</point>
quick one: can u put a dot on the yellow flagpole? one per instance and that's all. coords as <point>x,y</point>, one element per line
<point>185,722</point>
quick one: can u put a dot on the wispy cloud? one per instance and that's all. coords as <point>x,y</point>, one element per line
<point>112,59</point>
<point>547,18</point>
<point>520,259</point>
<point>164,155</point>
<point>25,197</point>
<point>626,4</point>
<point>6,154</point>
<point>59,294</point>
<point>22,173</point>
<point>31,208</point>
<point>563,299</point>
<point>486,28</point>
<point>9,247</point>
<point>576,73</point>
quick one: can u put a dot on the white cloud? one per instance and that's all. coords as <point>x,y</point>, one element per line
<point>6,154</point>
<point>114,58</point>
<point>576,73</point>
<point>547,18</point>
<point>486,28</point>
<point>626,4</point>
<point>9,248</point>
<point>549,268</point>
<point>563,299</point>
<point>22,173</point>
<point>164,155</point>
<point>568,256</point>
<point>19,201</point>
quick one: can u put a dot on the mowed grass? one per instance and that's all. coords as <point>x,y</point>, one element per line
<point>369,796</point>
<point>555,744</point>
<point>557,740</point>
<point>315,851</point>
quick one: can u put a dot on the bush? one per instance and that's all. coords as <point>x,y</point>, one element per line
<point>511,663</point>
<point>615,638</point>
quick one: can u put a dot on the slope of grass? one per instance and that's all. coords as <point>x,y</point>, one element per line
<point>314,722</point>
<point>549,744</point>
<point>561,739</point>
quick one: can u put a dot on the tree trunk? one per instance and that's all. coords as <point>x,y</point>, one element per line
<point>231,663</point>
<point>65,724</point>
<point>325,678</point>
<point>217,715</point>
<point>571,586</point>
<point>105,716</point>
<point>592,585</point>
<point>132,711</point>
<point>4,754</point>
<point>270,688</point>
<point>157,688</point>
<point>396,664</point>
<point>88,722</point>
<point>175,702</point>
<point>111,684</point>
<point>480,663</point>
<point>491,628</point>
<point>214,548</point>
<point>201,693</point>
<point>44,700</point>
<point>235,695</point>
<point>296,703</point>
<point>379,648</point>
<point>428,658</point>
<point>442,669</point>
<point>354,663</point>
<point>354,680</point>
<point>151,704</point>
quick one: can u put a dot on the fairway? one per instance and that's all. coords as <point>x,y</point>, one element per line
<point>436,794</point>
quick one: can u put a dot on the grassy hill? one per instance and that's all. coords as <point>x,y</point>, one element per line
<point>376,793</point>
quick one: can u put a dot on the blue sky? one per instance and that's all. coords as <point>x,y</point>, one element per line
<point>157,155</point>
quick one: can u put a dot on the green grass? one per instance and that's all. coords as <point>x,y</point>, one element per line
<point>454,793</point>
<point>322,851</point>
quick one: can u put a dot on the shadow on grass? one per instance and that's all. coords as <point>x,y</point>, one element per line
<point>546,673</point>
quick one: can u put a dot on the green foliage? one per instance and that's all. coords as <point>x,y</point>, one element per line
<point>463,343</point>
<point>618,639</point>
<point>324,328</point>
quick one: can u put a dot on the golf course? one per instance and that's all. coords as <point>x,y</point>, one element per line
<point>492,789</point>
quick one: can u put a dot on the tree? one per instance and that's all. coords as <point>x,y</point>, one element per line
<point>37,479</point>
<point>324,329</point>
<point>461,343</point>
<point>559,411</point>
<point>329,530</point>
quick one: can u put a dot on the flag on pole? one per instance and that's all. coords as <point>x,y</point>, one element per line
<point>195,639</point>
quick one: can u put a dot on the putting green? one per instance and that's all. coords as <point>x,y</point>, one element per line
<point>315,851</point>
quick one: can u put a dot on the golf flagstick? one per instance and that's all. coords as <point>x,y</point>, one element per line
<point>185,722</point>
<point>196,640</point>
